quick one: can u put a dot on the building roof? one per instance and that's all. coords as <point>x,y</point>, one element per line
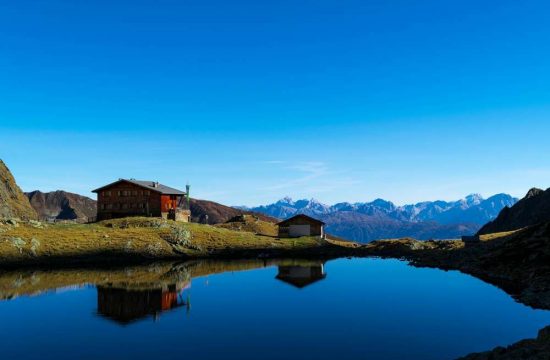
<point>149,185</point>
<point>301,280</point>
<point>303,216</point>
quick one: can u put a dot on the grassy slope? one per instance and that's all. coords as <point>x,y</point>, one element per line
<point>251,224</point>
<point>134,238</point>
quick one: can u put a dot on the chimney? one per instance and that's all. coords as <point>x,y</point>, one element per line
<point>187,188</point>
<point>156,184</point>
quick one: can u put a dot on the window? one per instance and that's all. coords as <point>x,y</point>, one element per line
<point>119,193</point>
<point>147,192</point>
<point>134,193</point>
<point>107,193</point>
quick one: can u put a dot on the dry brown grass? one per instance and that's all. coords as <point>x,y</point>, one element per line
<point>494,236</point>
<point>143,237</point>
<point>251,224</point>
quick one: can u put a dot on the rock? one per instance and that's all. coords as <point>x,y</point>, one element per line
<point>36,224</point>
<point>533,209</point>
<point>13,202</point>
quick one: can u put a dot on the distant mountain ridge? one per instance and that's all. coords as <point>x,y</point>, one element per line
<point>533,209</point>
<point>62,205</point>
<point>204,211</point>
<point>382,219</point>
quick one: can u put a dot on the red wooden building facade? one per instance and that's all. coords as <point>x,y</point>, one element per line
<point>129,197</point>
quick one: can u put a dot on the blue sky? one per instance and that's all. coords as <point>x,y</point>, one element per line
<point>251,101</point>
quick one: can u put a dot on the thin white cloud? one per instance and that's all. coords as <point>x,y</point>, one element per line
<point>308,179</point>
<point>307,172</point>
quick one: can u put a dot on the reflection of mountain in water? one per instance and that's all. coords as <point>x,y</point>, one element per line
<point>301,276</point>
<point>127,305</point>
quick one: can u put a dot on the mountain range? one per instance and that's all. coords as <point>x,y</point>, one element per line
<point>379,219</point>
<point>533,209</point>
<point>62,205</point>
<point>362,222</point>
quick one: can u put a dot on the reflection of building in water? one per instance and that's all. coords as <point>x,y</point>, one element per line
<point>301,276</point>
<point>125,305</point>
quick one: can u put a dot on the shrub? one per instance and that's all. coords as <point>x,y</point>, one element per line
<point>128,247</point>
<point>35,244</point>
<point>154,249</point>
<point>18,243</point>
<point>180,237</point>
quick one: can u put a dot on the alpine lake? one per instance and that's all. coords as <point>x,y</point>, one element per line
<point>366,308</point>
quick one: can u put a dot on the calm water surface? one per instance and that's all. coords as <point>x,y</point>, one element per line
<point>360,308</point>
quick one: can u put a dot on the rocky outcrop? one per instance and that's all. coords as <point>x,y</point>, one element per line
<point>534,349</point>
<point>13,202</point>
<point>533,209</point>
<point>62,205</point>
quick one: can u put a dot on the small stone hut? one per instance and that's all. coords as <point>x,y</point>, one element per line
<point>301,225</point>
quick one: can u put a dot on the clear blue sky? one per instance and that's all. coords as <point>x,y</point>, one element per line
<point>250,101</point>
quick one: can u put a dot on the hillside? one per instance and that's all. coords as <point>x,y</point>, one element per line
<point>62,205</point>
<point>381,219</point>
<point>139,239</point>
<point>204,211</point>
<point>13,202</point>
<point>251,223</point>
<point>533,209</point>
<point>366,228</point>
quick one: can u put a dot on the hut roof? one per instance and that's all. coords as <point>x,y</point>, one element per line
<point>303,216</point>
<point>149,185</point>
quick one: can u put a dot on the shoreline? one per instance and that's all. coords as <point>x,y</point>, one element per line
<point>516,262</point>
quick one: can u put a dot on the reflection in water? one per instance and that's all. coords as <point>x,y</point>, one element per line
<point>128,305</point>
<point>15,283</point>
<point>127,294</point>
<point>301,276</point>
<point>381,304</point>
